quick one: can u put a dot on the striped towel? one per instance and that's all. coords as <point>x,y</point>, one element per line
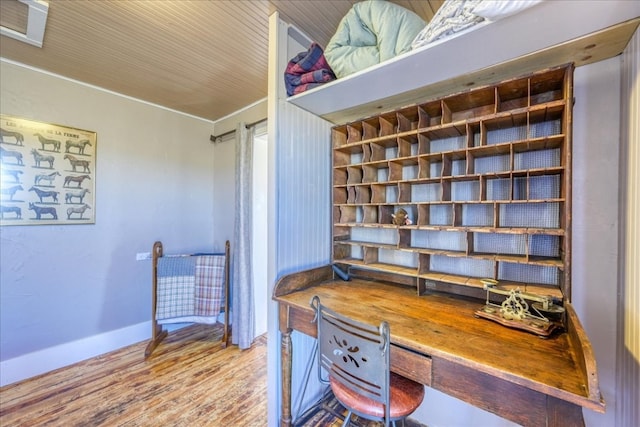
<point>190,288</point>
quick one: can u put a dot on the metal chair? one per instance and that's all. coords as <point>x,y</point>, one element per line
<point>356,357</point>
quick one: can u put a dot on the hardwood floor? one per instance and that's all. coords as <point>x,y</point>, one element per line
<point>189,380</point>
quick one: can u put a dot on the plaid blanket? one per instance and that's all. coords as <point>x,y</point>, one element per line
<point>190,288</point>
<point>307,70</point>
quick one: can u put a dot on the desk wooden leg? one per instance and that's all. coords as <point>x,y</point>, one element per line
<point>563,414</point>
<point>286,360</point>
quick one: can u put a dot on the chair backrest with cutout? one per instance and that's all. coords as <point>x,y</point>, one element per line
<point>354,353</point>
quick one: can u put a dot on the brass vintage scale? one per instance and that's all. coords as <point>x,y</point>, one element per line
<point>515,311</point>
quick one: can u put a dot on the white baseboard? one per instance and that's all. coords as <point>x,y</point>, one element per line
<point>48,359</point>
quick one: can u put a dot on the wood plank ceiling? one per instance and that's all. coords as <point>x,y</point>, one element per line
<point>204,58</point>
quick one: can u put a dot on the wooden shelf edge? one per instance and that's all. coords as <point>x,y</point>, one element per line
<point>474,282</point>
<point>296,281</point>
<point>586,360</point>
<point>511,259</point>
<point>460,229</point>
<point>451,279</point>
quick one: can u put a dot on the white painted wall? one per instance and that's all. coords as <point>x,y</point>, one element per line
<point>155,180</point>
<point>224,189</point>
<point>596,203</point>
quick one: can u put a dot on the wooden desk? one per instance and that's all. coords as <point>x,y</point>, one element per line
<point>437,340</point>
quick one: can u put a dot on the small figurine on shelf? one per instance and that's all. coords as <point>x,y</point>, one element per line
<point>401,218</point>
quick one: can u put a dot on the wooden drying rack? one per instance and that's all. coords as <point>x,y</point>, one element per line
<point>158,333</point>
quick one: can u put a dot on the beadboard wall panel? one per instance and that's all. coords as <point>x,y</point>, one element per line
<point>628,352</point>
<point>304,216</point>
<point>303,190</point>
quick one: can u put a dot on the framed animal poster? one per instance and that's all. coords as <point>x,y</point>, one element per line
<point>48,173</point>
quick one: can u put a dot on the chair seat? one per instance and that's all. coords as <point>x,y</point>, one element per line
<point>405,397</point>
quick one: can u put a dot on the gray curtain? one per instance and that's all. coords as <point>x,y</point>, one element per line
<point>242,309</point>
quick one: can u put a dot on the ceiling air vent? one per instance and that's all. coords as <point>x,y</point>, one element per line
<point>24,20</point>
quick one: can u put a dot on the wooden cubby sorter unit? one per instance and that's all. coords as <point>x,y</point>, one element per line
<point>485,177</point>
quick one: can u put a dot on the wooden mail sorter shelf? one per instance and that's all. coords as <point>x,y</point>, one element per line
<point>485,177</point>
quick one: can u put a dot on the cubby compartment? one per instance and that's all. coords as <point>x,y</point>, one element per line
<point>340,195</point>
<point>425,192</point>
<point>354,175</point>
<point>436,240</point>
<point>482,177</point>
<point>384,149</point>
<point>339,136</point>
<point>468,105</point>
<point>351,195</point>
<point>537,159</point>
<point>549,127</point>
<point>371,172</point>
<point>379,193</point>
<point>404,192</point>
<point>484,164</point>
<point>404,169</point>
<point>477,215</point>
<point>426,168</point>
<point>430,114</point>
<point>392,194</point>
<point>523,273</point>
<point>354,133</point>
<point>370,129</point>
<point>423,215</point>
<point>453,163</point>
<point>451,143</point>
<point>512,95</point>
<point>341,232</point>
<point>500,243</point>
<point>407,146</point>
<point>441,214</point>
<point>547,87</point>
<point>536,187</point>
<point>385,214</point>
<point>398,258</point>
<point>383,236</point>
<point>408,119</point>
<point>497,133</point>
<point>345,214</point>
<point>465,190</point>
<point>411,213</point>
<point>424,144</point>
<point>360,156</point>
<point>543,246</point>
<point>363,194</point>
<point>348,253</point>
<point>339,176</point>
<point>388,124</point>
<point>436,168</point>
<point>532,215</point>
<point>462,266</point>
<point>345,156</point>
<point>459,167</point>
<point>497,188</point>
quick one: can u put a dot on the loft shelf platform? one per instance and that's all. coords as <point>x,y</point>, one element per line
<point>480,57</point>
